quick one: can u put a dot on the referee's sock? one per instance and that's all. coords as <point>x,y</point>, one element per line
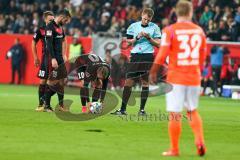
<point>125,97</point>
<point>144,97</point>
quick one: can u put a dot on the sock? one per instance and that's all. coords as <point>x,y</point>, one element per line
<point>195,121</point>
<point>204,86</point>
<point>125,97</point>
<point>96,94</point>
<point>48,94</point>
<point>60,94</point>
<point>84,96</point>
<point>174,130</point>
<point>144,97</point>
<point>41,92</point>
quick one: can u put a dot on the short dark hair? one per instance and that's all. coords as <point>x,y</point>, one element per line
<point>148,11</point>
<point>47,13</point>
<point>65,12</point>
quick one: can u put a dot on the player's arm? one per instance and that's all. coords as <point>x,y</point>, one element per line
<point>35,40</point>
<point>161,56</point>
<point>130,35</point>
<point>154,42</point>
<point>203,51</point>
<point>155,39</point>
<point>103,91</point>
<point>64,48</point>
<point>49,43</point>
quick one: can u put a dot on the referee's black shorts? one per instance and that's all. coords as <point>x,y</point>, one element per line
<point>139,66</point>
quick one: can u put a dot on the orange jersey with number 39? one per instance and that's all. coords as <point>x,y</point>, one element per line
<point>185,45</point>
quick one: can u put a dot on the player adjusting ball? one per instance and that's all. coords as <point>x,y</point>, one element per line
<point>95,108</point>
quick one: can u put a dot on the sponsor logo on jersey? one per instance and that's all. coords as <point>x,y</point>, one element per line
<point>49,33</point>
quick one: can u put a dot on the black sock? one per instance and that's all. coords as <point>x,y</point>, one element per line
<point>84,96</point>
<point>60,94</point>
<point>96,94</point>
<point>125,97</point>
<point>204,86</point>
<point>41,92</point>
<point>48,94</point>
<point>144,97</point>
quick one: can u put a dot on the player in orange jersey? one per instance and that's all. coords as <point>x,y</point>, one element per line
<point>185,44</point>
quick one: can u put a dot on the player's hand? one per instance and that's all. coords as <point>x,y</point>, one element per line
<point>65,58</point>
<point>36,62</point>
<point>54,63</point>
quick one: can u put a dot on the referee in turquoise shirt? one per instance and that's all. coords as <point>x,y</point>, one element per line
<point>143,35</point>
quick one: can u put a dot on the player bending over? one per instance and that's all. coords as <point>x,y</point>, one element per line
<point>185,44</point>
<point>92,69</point>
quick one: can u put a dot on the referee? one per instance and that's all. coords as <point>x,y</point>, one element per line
<point>143,35</point>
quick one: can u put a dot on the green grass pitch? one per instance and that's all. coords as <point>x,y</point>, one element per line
<point>26,134</point>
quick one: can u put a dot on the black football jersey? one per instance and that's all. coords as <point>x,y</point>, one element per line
<point>40,35</point>
<point>54,37</point>
<point>87,66</point>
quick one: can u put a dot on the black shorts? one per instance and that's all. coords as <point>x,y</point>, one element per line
<point>139,66</point>
<point>43,72</point>
<point>60,72</point>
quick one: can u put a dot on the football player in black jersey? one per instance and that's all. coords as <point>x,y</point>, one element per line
<point>56,47</point>
<point>43,70</point>
<point>92,69</point>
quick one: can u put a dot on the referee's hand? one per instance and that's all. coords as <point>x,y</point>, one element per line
<point>146,35</point>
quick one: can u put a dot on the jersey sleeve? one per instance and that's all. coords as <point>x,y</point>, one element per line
<point>37,35</point>
<point>130,31</point>
<point>157,32</point>
<point>164,47</point>
<point>49,39</point>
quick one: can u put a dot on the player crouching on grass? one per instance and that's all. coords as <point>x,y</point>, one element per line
<point>185,44</point>
<point>92,69</point>
<point>56,47</point>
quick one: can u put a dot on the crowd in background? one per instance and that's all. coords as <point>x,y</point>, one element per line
<point>220,69</point>
<point>219,18</point>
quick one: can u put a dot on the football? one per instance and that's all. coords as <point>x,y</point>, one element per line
<point>95,108</point>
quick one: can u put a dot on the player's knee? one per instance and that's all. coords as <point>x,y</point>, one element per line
<point>145,83</point>
<point>51,83</point>
<point>129,82</point>
<point>43,81</point>
<point>174,116</point>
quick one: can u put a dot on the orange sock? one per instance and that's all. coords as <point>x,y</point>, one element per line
<point>174,129</point>
<point>195,122</point>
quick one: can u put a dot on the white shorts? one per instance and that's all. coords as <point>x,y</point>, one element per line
<point>183,96</point>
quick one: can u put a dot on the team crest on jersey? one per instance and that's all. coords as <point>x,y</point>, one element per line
<point>49,33</point>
